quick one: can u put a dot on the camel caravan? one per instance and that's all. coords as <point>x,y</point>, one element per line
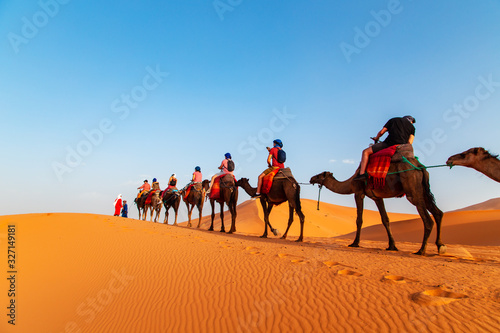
<point>388,169</point>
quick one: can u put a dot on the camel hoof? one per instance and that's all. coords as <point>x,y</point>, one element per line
<point>299,240</point>
<point>263,236</point>
<point>230,232</point>
<point>419,253</point>
<point>353,245</point>
<point>442,249</point>
<point>392,248</point>
<point>211,229</point>
<point>222,230</point>
<point>275,232</point>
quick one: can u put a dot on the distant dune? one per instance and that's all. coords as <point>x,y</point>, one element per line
<point>492,204</point>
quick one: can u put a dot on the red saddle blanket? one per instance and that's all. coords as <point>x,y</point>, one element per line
<point>150,195</point>
<point>267,182</point>
<point>378,166</point>
<point>215,191</point>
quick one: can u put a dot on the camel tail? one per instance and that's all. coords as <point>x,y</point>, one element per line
<point>298,206</point>
<point>429,197</point>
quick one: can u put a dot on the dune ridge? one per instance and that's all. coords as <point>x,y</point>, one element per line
<point>94,273</point>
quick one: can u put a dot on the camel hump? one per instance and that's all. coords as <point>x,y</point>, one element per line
<point>228,178</point>
<point>284,173</point>
<point>405,150</point>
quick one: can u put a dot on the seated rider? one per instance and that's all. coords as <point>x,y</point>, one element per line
<point>272,162</point>
<point>197,178</point>
<point>144,188</point>
<point>156,185</point>
<point>223,170</point>
<point>401,131</point>
<point>172,182</point>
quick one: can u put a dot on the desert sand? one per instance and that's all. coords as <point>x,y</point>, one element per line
<point>96,273</point>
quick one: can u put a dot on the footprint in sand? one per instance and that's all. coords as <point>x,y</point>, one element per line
<point>253,250</point>
<point>436,296</point>
<point>226,246</point>
<point>330,264</point>
<point>347,272</point>
<point>395,279</point>
<point>299,261</point>
<point>294,259</point>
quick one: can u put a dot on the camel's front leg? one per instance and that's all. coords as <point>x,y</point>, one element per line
<point>359,218</point>
<point>200,208</point>
<point>190,210</point>
<point>267,213</point>
<point>428,224</point>
<point>232,209</point>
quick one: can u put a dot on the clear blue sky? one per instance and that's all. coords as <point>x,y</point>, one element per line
<point>97,96</point>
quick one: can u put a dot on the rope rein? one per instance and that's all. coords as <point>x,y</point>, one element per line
<point>423,167</point>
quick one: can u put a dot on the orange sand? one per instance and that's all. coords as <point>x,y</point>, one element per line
<point>94,273</point>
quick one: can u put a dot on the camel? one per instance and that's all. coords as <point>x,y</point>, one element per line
<point>196,198</point>
<point>229,196</point>
<point>413,183</point>
<point>171,200</point>
<point>154,206</point>
<point>479,159</point>
<point>283,189</point>
<point>140,201</point>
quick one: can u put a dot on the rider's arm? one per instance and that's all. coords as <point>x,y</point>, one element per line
<point>269,158</point>
<point>380,133</point>
<point>411,138</point>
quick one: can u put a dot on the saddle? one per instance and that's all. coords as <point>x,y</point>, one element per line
<point>380,162</point>
<point>267,182</point>
<point>215,191</point>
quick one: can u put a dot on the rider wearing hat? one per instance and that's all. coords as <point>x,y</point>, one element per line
<point>401,131</point>
<point>272,162</point>
<point>223,169</point>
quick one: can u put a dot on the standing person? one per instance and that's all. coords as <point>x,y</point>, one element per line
<point>272,162</point>
<point>401,131</point>
<point>144,188</point>
<point>118,205</point>
<point>226,167</point>
<point>125,209</point>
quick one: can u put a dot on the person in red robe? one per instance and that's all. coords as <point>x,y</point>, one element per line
<point>118,205</point>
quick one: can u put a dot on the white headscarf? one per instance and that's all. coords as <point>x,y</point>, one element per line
<point>118,198</point>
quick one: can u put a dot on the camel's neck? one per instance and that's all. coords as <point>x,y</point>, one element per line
<point>249,189</point>
<point>490,167</point>
<point>339,187</point>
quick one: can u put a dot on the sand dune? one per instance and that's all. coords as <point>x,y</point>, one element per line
<point>94,273</point>
<point>492,204</point>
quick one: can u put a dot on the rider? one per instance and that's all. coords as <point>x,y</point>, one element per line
<point>156,185</point>
<point>224,169</point>
<point>145,188</point>
<point>272,162</point>
<point>401,131</point>
<point>197,178</point>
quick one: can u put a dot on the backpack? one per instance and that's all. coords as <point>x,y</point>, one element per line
<point>281,156</point>
<point>230,165</point>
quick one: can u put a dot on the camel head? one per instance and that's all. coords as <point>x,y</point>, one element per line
<point>469,157</point>
<point>320,178</point>
<point>205,184</point>
<point>242,181</point>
